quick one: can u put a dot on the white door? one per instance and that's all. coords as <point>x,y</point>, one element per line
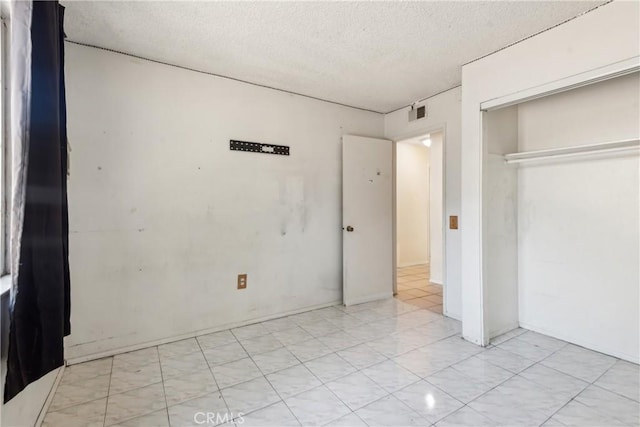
<point>367,219</point>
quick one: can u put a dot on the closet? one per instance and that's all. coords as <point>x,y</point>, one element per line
<point>560,216</point>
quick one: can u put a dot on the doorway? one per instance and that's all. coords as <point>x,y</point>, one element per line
<point>419,225</point>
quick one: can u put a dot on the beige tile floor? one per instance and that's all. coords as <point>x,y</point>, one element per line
<point>414,288</point>
<point>384,363</point>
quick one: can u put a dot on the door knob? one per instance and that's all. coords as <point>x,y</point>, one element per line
<point>349,228</point>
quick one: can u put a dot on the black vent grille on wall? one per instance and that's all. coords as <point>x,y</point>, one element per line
<point>417,113</point>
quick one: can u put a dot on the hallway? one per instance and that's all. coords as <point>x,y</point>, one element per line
<point>414,288</point>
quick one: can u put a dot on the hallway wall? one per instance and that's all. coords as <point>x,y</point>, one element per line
<point>412,204</point>
<point>436,176</point>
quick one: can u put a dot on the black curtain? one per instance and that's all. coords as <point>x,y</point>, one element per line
<point>40,312</point>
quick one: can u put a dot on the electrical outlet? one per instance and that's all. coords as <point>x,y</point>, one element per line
<point>242,281</point>
<point>453,222</point>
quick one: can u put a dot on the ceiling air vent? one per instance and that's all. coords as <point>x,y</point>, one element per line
<point>417,112</point>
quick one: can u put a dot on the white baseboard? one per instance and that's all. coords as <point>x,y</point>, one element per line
<point>153,343</point>
<point>582,343</point>
<point>376,297</point>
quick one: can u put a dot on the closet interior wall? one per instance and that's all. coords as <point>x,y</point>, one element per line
<point>500,243</point>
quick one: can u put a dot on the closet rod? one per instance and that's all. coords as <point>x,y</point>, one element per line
<point>612,147</point>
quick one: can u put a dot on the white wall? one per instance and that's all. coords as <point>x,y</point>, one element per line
<point>578,221</point>
<point>597,39</point>
<point>600,112</point>
<point>444,113</point>
<point>163,216</point>
<point>436,260</point>
<point>412,204</point>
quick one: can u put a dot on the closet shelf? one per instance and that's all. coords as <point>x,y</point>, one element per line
<point>612,147</point>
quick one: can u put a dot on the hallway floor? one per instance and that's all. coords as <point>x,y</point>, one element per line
<point>414,288</point>
<point>385,363</point>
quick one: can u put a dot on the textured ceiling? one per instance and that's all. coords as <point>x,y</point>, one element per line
<point>373,55</point>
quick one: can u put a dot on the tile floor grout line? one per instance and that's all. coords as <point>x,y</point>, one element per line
<point>569,375</point>
<point>524,357</point>
<point>491,389</point>
<point>143,414</point>
<point>593,383</point>
<point>106,403</point>
<point>566,344</point>
<point>560,409</point>
<point>386,315</point>
<point>84,402</point>
<point>534,364</point>
<point>303,364</point>
<point>604,389</point>
<point>164,391</point>
<point>446,393</point>
<point>300,363</point>
<point>398,399</point>
<point>541,364</point>
<point>297,394</point>
<point>280,370</point>
<point>610,391</point>
<point>88,378</point>
<point>78,403</point>
<point>356,414</point>
<point>219,390</point>
<point>322,383</point>
<point>263,376</point>
<point>615,392</point>
<point>477,397</point>
<point>426,345</point>
<point>494,387</point>
<point>104,397</point>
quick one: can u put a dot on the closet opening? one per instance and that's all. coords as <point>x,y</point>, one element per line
<point>560,216</point>
<point>419,254</point>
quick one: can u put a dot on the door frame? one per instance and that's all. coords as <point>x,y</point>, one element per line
<point>442,128</point>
